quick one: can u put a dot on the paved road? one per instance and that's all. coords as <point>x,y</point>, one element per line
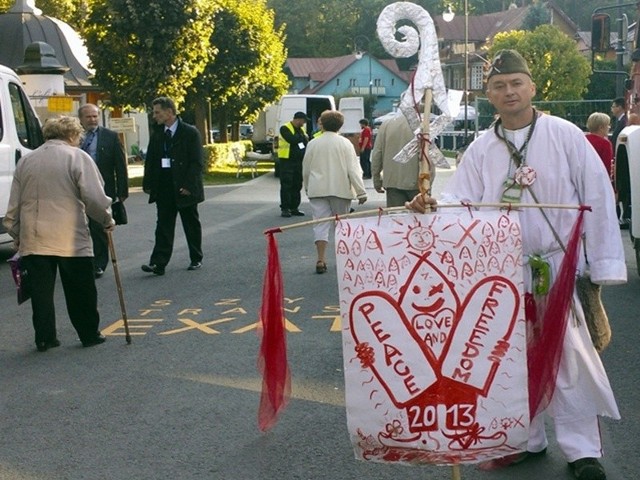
<point>180,402</point>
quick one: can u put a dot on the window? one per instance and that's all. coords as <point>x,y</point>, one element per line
<point>337,82</point>
<point>477,77</point>
<point>27,124</point>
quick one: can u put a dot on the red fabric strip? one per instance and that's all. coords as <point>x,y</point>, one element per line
<point>547,323</point>
<point>272,360</point>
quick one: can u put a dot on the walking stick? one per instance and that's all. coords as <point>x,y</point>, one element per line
<point>116,273</point>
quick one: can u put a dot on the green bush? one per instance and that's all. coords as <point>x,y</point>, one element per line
<point>218,155</point>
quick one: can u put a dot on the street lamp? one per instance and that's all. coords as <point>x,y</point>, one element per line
<point>359,53</point>
<point>447,17</point>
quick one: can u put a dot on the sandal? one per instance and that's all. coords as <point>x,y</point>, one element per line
<point>321,267</point>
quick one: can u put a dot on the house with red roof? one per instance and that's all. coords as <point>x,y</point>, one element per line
<point>481,30</point>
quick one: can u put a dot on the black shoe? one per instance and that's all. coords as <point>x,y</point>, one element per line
<point>155,269</point>
<point>587,469</point>
<point>97,340</point>
<point>194,266</point>
<point>285,213</point>
<point>99,272</point>
<point>297,213</point>
<point>44,346</point>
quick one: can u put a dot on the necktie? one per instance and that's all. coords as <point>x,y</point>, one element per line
<point>88,140</point>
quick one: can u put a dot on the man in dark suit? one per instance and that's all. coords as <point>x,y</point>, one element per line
<point>106,150</point>
<point>173,179</point>
<point>623,185</point>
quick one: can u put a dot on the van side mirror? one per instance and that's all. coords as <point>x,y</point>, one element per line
<point>600,32</point>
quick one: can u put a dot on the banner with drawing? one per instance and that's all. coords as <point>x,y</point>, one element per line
<point>433,336</point>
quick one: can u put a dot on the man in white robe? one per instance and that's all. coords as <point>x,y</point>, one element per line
<point>567,171</point>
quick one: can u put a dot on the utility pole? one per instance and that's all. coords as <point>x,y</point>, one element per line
<point>620,49</point>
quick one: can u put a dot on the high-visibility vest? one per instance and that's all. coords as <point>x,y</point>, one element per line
<point>283,145</point>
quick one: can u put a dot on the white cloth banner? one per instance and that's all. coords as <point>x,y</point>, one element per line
<point>433,336</point>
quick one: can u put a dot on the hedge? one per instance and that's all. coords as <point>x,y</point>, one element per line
<point>218,155</point>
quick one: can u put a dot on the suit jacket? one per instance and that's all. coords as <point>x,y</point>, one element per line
<point>111,162</point>
<point>187,163</point>
<point>620,124</point>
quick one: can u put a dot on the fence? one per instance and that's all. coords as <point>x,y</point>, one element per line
<point>575,111</point>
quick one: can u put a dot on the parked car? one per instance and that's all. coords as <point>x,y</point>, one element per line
<point>246,131</point>
<point>214,134</point>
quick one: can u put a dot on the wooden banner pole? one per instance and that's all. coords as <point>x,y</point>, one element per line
<point>424,174</point>
<point>455,472</point>
<point>380,211</point>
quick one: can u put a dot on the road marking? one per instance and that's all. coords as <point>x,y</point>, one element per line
<point>203,327</point>
<point>134,324</point>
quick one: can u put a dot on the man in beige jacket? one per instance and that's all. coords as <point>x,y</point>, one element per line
<point>399,180</point>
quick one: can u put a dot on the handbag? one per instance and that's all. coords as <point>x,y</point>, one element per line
<point>119,213</point>
<point>594,313</point>
<point>20,278</point>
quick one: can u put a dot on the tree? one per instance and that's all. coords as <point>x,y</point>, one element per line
<point>65,10</point>
<point>69,11</point>
<point>580,11</point>
<point>140,50</point>
<point>316,29</point>
<point>247,73</point>
<point>537,15</point>
<point>557,68</point>
<point>602,86</point>
<point>328,28</point>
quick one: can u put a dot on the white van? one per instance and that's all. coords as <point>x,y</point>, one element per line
<point>20,132</point>
<point>267,128</point>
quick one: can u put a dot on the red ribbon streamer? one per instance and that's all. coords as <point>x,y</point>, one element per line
<point>548,324</point>
<point>272,360</point>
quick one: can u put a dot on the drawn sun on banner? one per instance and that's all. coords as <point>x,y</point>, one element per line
<point>434,336</point>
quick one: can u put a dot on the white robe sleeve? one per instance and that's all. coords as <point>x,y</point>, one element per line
<point>604,249</point>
